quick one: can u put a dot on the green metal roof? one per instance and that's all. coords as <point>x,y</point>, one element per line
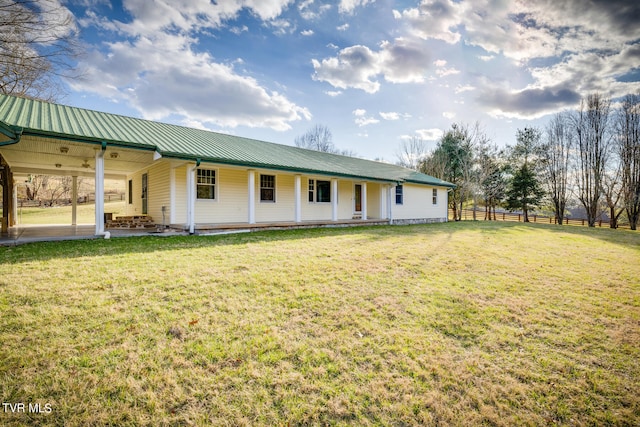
<point>171,141</point>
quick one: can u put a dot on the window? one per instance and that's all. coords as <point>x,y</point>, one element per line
<point>319,191</point>
<point>312,190</point>
<point>435,196</point>
<point>206,184</point>
<point>399,194</point>
<point>130,191</point>
<point>267,188</point>
<point>324,191</point>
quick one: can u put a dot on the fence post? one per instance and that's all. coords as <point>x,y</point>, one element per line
<point>535,218</point>
<point>518,217</point>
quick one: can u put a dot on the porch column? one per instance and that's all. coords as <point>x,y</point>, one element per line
<point>298,205</point>
<point>334,199</point>
<point>172,195</point>
<point>364,200</point>
<point>382,200</point>
<point>100,191</point>
<point>390,190</point>
<point>191,198</point>
<point>14,204</point>
<point>252,196</point>
<point>74,200</point>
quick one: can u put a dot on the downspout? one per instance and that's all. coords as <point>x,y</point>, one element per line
<point>191,197</point>
<point>14,136</point>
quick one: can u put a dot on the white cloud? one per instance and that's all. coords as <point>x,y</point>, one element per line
<point>333,93</point>
<point>464,88</point>
<point>434,19</point>
<point>402,61</point>
<point>354,67</point>
<point>390,115</point>
<point>192,85</point>
<point>361,118</point>
<point>443,72</point>
<point>306,32</point>
<point>448,115</point>
<point>239,30</point>
<point>348,6</point>
<point>577,47</point>
<point>440,63</point>
<point>343,27</point>
<point>429,134</point>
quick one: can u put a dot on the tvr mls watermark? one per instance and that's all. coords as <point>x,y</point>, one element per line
<point>28,408</point>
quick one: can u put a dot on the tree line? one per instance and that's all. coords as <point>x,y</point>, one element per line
<point>588,157</point>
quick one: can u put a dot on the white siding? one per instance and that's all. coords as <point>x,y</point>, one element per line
<point>373,200</point>
<point>283,209</point>
<point>158,191</point>
<point>417,203</point>
<point>231,203</point>
<point>180,198</point>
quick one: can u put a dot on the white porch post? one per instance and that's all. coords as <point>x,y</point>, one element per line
<point>14,204</point>
<point>390,190</point>
<point>334,199</point>
<point>172,195</point>
<point>364,200</point>
<point>74,200</point>
<point>382,200</point>
<point>298,205</point>
<point>252,196</point>
<point>191,198</point>
<point>100,191</point>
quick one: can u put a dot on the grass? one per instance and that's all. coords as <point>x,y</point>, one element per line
<point>62,214</point>
<point>454,324</point>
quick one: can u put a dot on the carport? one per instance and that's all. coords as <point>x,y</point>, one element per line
<point>25,151</point>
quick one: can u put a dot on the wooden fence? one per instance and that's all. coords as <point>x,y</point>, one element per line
<point>467,214</point>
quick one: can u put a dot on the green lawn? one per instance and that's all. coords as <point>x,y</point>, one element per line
<point>447,324</point>
<point>62,214</point>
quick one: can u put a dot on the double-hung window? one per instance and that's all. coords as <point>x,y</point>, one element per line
<point>267,188</point>
<point>206,184</point>
<point>319,191</point>
<point>434,197</point>
<point>399,194</point>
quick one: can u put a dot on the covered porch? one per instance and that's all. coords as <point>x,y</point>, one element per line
<point>19,235</point>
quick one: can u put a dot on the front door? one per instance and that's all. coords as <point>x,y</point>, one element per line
<point>357,199</point>
<point>144,193</point>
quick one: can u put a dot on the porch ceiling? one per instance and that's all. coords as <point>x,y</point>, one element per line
<point>34,155</point>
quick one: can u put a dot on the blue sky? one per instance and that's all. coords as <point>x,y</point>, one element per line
<point>374,72</point>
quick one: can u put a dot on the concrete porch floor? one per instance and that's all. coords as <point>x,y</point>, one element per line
<point>52,233</point>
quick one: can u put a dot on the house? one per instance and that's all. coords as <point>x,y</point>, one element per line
<point>195,178</point>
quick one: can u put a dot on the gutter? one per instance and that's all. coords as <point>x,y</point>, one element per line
<point>14,135</point>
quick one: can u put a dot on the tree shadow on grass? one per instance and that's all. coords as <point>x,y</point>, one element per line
<point>44,251</point>
<point>69,249</point>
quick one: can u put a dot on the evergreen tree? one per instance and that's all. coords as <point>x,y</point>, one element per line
<point>524,191</point>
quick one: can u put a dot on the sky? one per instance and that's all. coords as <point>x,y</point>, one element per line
<point>375,72</point>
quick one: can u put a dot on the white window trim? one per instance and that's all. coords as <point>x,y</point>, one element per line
<point>275,188</point>
<point>216,190</point>
<point>315,191</point>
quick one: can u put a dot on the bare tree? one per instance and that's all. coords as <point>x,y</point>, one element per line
<point>36,184</point>
<point>318,138</point>
<point>591,125</point>
<point>628,148</point>
<point>490,177</point>
<point>412,153</point>
<point>453,160</point>
<point>556,157</point>
<point>37,40</point>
